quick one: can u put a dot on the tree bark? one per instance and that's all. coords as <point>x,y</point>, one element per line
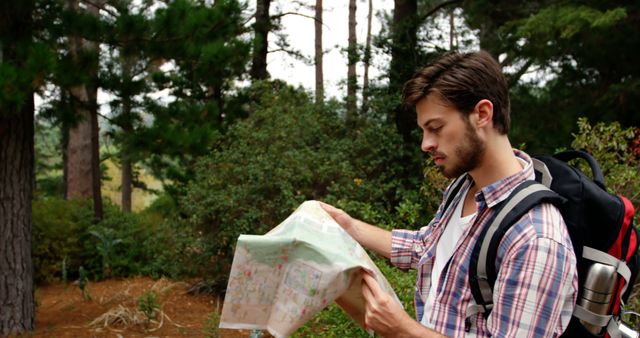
<point>404,30</point>
<point>16,185</point>
<point>261,41</point>
<point>352,55</point>
<point>367,62</point>
<point>83,147</point>
<point>79,152</point>
<point>17,306</point>
<point>404,60</point>
<point>127,183</point>
<point>318,54</point>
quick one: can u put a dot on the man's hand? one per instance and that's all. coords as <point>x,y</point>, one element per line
<point>385,316</point>
<point>341,217</point>
<point>367,235</point>
<point>382,313</point>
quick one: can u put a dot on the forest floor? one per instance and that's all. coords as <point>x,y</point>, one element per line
<point>113,310</point>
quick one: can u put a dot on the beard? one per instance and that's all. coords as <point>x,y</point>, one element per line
<point>468,154</point>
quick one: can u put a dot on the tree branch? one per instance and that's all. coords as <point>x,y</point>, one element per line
<point>278,16</point>
<point>437,8</point>
<point>100,5</point>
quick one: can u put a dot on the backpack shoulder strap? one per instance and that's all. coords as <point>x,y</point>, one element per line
<point>453,191</point>
<point>482,270</point>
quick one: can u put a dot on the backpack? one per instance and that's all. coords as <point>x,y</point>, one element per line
<point>601,228</point>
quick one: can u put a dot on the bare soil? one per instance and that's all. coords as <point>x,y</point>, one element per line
<point>113,311</point>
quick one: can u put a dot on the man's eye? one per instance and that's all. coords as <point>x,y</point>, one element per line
<point>435,129</point>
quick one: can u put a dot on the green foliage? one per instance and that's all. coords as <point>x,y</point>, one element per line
<point>65,271</point>
<point>211,328</point>
<point>83,283</point>
<point>120,245</point>
<point>105,246</point>
<point>566,21</point>
<point>24,67</point>
<point>611,144</point>
<point>287,151</point>
<point>149,306</point>
<point>577,58</point>
<point>57,229</point>
<point>48,160</point>
<point>433,188</point>
<point>137,244</point>
<point>206,44</point>
<point>633,309</point>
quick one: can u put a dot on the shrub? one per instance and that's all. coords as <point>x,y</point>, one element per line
<point>121,245</point>
<point>616,150</point>
<point>58,226</point>
<point>287,151</point>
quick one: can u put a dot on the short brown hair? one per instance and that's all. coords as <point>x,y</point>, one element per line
<point>463,80</point>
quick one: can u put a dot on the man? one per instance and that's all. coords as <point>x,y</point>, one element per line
<point>462,107</point>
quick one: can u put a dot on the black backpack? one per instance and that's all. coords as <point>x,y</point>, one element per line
<point>601,228</point>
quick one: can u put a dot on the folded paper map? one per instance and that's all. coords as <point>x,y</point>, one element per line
<point>282,279</point>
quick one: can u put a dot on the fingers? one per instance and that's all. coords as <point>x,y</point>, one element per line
<point>366,290</point>
<point>330,209</point>
<point>370,283</point>
<point>338,214</point>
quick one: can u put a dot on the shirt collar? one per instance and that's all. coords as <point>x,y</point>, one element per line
<point>496,192</point>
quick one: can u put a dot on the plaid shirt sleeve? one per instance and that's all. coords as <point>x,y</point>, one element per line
<point>407,247</point>
<point>536,278</point>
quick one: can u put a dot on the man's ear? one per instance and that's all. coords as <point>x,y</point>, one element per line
<point>484,113</point>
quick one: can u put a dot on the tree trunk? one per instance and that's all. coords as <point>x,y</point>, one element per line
<point>260,41</point>
<point>83,156</point>
<point>17,306</point>
<point>319,55</point>
<point>16,185</point>
<point>452,29</point>
<point>127,183</point>
<point>352,55</point>
<point>367,62</point>
<point>96,175</point>
<point>404,60</point>
<point>404,30</point>
<point>79,152</point>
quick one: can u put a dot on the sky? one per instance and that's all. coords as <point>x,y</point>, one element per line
<point>301,33</point>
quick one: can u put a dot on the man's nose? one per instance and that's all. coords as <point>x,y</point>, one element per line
<point>428,144</point>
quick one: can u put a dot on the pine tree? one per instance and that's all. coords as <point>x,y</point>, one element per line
<point>352,57</point>
<point>319,53</point>
<point>24,63</point>
<point>82,160</point>
<point>261,40</point>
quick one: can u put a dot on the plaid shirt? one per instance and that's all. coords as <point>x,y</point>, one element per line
<point>535,291</point>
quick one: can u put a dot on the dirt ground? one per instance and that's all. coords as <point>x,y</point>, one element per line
<point>113,311</point>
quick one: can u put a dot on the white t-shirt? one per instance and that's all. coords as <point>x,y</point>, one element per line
<point>444,251</point>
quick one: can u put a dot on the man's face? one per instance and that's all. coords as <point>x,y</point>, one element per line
<point>448,137</point>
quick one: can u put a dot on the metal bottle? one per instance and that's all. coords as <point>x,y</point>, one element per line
<point>627,332</point>
<point>597,293</point>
